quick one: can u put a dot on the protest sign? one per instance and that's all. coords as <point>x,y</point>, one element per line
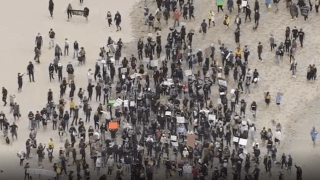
<point>191,139</point>
<point>187,169</point>
<point>181,129</point>
<point>180,120</point>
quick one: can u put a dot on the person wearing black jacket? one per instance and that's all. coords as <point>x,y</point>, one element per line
<point>39,41</point>
<point>191,11</point>
<point>76,49</point>
<point>301,37</point>
<point>20,81</point>
<point>90,91</point>
<point>72,89</point>
<point>117,19</point>
<point>256,5</point>
<point>140,49</point>
<point>96,119</point>
<point>51,7</point>
<point>60,72</point>
<point>287,44</point>
<point>51,70</point>
<point>256,19</point>
<point>30,69</point>
<point>97,71</point>
<point>299,172</point>
<point>112,72</point>
<point>98,91</point>
<point>248,13</point>
<point>256,173</point>
<point>260,47</point>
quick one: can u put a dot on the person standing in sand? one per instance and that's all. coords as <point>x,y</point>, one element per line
<point>51,7</point>
<point>278,99</point>
<point>39,41</point>
<point>117,19</point>
<point>69,11</point>
<point>20,81</point>
<point>314,134</point>
<point>109,18</point>
<point>52,34</point>
<point>260,47</point>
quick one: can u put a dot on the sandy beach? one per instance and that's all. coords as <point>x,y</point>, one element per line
<point>298,112</point>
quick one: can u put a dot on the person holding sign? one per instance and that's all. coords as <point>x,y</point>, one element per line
<point>220,4</point>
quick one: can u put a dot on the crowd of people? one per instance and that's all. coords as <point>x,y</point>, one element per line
<point>158,115</point>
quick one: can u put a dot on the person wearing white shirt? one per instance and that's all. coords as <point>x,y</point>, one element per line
<point>90,76</point>
<point>185,153</point>
<point>66,47</point>
<point>249,74</point>
<point>277,137</point>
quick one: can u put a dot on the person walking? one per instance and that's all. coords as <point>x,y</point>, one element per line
<point>66,47</point>
<point>75,49</point>
<point>203,27</point>
<point>51,7</point>
<point>69,11</point>
<point>37,54</point>
<point>51,71</point>
<point>13,130</point>
<point>256,19</point>
<point>220,4</point>
<point>260,47</point>
<point>314,135</point>
<point>39,41</point>
<point>20,81</point>
<point>301,37</point>
<point>299,172</point>
<point>109,18</point>
<point>52,35</point>
<point>30,70</point>
<point>272,42</point>
<point>248,13</point>
<point>117,19</point>
<point>176,16</point>
<point>278,99</point>
<point>226,21</point>
<point>57,52</point>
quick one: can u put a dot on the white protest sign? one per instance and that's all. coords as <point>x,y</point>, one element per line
<point>212,117</point>
<point>235,139</point>
<point>168,113</point>
<point>223,83</point>
<point>180,120</point>
<point>173,138</point>
<point>243,142</point>
<point>244,3</point>
<point>188,72</point>
<point>132,103</point>
<point>176,144</point>
<point>123,70</point>
<point>126,103</point>
<point>154,63</point>
<point>187,169</point>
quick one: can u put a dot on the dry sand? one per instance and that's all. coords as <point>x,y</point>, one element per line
<point>300,101</point>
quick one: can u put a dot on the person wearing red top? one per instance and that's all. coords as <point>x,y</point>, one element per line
<point>195,173</point>
<point>176,17</point>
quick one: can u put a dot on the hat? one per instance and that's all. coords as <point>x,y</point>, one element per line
<point>59,64</point>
